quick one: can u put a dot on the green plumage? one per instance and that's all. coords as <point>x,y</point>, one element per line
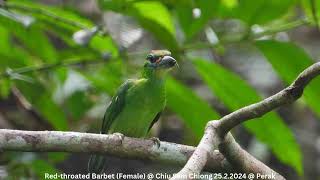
<point>137,104</point>
<point>143,101</point>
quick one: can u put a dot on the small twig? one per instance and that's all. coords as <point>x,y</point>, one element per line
<point>45,67</point>
<point>199,158</point>
<point>55,141</point>
<point>243,161</point>
<point>64,63</point>
<point>26,106</point>
<point>216,131</point>
<point>282,28</point>
<point>268,31</point>
<point>12,5</point>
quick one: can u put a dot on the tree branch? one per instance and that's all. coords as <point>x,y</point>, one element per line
<point>282,28</point>
<point>216,131</point>
<point>45,67</point>
<point>286,96</point>
<point>243,161</point>
<point>55,141</point>
<point>199,158</point>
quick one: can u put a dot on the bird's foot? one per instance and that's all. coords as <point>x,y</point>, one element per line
<point>120,136</point>
<point>156,141</point>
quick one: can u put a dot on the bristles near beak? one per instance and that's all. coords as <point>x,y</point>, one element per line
<point>177,65</point>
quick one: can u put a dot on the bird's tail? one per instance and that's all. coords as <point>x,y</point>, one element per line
<point>96,164</point>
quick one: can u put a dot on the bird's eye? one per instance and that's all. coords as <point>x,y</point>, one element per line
<point>151,58</point>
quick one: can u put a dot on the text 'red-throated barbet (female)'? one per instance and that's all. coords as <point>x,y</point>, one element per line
<point>137,104</point>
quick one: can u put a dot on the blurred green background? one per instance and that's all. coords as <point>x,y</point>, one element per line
<point>61,61</point>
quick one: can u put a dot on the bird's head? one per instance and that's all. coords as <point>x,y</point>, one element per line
<point>159,62</point>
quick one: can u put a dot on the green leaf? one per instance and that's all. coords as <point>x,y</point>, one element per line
<point>159,14</point>
<point>55,157</point>
<point>289,61</point>
<point>236,93</point>
<point>50,13</point>
<point>191,108</point>
<point>46,17</point>
<point>152,15</point>
<point>107,78</point>
<point>78,104</point>
<point>63,23</point>
<point>61,74</point>
<point>104,45</point>
<point>4,88</point>
<point>37,43</point>
<point>192,25</point>
<point>22,19</point>
<point>41,167</point>
<point>262,11</point>
<point>230,3</point>
<point>78,52</point>
<point>11,56</point>
<point>252,12</point>
<point>155,17</point>
<point>33,40</point>
<point>41,99</point>
<point>312,10</point>
<point>5,47</point>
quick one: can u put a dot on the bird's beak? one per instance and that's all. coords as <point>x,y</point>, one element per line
<point>167,62</point>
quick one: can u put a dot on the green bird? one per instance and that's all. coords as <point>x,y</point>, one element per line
<point>137,104</point>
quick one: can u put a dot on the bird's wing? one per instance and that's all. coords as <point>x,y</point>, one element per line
<point>155,120</point>
<point>116,106</point>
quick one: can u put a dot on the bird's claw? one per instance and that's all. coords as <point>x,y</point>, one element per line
<point>156,141</point>
<point>120,136</point>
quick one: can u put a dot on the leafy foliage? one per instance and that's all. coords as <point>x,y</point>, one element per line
<point>158,19</point>
<point>36,35</point>
<point>189,22</point>
<point>193,110</point>
<point>260,11</point>
<point>236,93</point>
<point>289,60</point>
<point>311,8</point>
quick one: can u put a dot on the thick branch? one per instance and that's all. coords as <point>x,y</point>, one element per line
<point>235,155</point>
<point>200,156</point>
<point>55,141</point>
<point>243,161</point>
